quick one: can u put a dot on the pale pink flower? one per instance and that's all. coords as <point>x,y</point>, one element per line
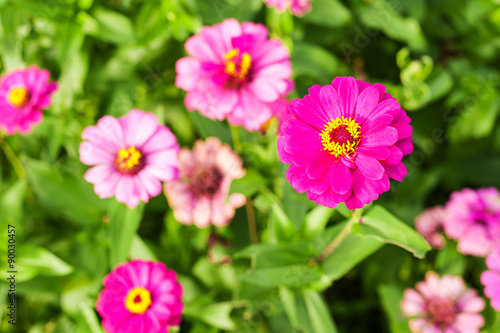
<point>200,196</point>
<point>443,305</point>
<point>297,7</point>
<point>132,156</point>
<point>491,279</point>
<point>430,225</point>
<point>234,71</point>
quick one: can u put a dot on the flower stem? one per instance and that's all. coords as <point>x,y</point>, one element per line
<point>236,138</point>
<point>356,217</point>
<point>252,226</point>
<point>11,156</point>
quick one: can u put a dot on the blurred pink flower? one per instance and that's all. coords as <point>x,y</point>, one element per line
<point>234,71</point>
<point>443,305</point>
<point>491,279</point>
<point>23,95</point>
<point>140,297</point>
<point>473,219</point>
<point>132,154</point>
<point>430,225</point>
<point>346,141</point>
<point>200,196</point>
<point>297,7</point>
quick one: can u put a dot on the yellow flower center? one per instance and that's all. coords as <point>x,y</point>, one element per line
<point>341,136</point>
<point>237,65</point>
<point>18,97</point>
<point>138,300</point>
<point>129,161</point>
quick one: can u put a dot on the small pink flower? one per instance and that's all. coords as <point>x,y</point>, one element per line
<point>132,154</point>
<point>430,225</point>
<point>443,305</point>
<point>23,95</point>
<point>297,7</point>
<point>346,141</point>
<point>234,71</point>
<point>141,297</point>
<point>491,279</point>
<point>474,220</point>
<point>200,196</point>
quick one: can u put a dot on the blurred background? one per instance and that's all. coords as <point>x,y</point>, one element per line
<point>439,58</point>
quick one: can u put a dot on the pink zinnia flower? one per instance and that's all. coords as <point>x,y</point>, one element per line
<point>346,141</point>
<point>132,154</point>
<point>491,279</point>
<point>443,305</point>
<point>141,297</point>
<point>297,7</point>
<point>200,196</point>
<point>430,225</point>
<point>23,95</point>
<point>234,71</point>
<point>474,220</point>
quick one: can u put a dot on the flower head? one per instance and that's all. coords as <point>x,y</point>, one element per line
<point>430,225</point>
<point>140,297</point>
<point>473,219</point>
<point>234,71</point>
<point>443,305</point>
<point>200,196</point>
<point>132,155</point>
<point>491,279</point>
<point>23,95</point>
<point>346,141</point>
<point>297,7</point>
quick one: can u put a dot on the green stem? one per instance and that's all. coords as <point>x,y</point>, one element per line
<point>356,217</point>
<point>11,156</point>
<point>235,134</point>
<point>252,225</point>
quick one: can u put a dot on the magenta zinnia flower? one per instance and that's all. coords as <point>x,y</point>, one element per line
<point>141,297</point>
<point>132,154</point>
<point>297,7</point>
<point>474,220</point>
<point>430,225</point>
<point>200,196</point>
<point>347,140</point>
<point>23,95</point>
<point>491,279</point>
<point>234,71</point>
<point>443,305</point>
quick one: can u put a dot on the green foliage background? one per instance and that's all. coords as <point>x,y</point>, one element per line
<point>440,58</point>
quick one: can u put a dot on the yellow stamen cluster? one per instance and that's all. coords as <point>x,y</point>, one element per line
<point>348,146</point>
<point>138,300</point>
<point>130,157</point>
<point>18,97</point>
<point>244,65</point>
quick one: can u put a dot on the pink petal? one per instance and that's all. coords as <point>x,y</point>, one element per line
<point>369,166</point>
<point>341,179</point>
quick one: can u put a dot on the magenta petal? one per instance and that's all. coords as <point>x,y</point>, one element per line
<point>341,179</point>
<point>320,166</point>
<point>396,171</point>
<point>386,137</point>
<point>347,95</point>
<point>376,124</point>
<point>367,100</point>
<point>297,177</point>
<point>369,166</point>
<point>307,112</point>
<point>330,101</point>
<point>379,152</point>
<point>405,145</point>
<point>283,155</point>
<point>395,156</point>
<point>384,107</point>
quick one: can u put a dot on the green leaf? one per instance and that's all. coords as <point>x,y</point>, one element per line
<point>312,60</point>
<point>11,202</point>
<point>123,225</point>
<point>378,223</point>
<point>140,250</point>
<point>329,13</point>
<point>292,275</point>
<point>249,184</point>
<point>313,313</point>
<point>450,261</point>
<point>113,27</point>
<point>216,315</point>
<point>290,305</point>
<point>208,127</point>
<point>390,297</point>
<point>316,220</point>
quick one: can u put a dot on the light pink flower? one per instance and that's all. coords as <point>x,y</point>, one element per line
<point>297,7</point>
<point>443,305</point>
<point>234,71</point>
<point>140,297</point>
<point>24,93</point>
<point>132,154</point>
<point>430,225</point>
<point>200,196</point>
<point>473,219</point>
<point>346,141</point>
<point>491,279</point>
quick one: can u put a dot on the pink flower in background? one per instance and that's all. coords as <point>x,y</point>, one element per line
<point>140,297</point>
<point>234,71</point>
<point>200,196</point>
<point>23,95</point>
<point>132,155</point>
<point>491,279</point>
<point>297,7</point>
<point>430,225</point>
<point>346,141</point>
<point>474,220</point>
<point>443,305</point>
